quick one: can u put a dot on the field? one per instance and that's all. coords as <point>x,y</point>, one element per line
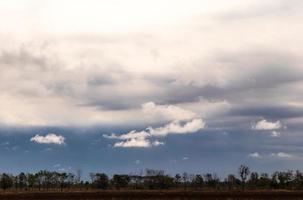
<point>136,195</point>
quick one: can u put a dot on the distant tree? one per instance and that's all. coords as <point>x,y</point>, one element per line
<point>198,181</point>
<point>6,181</point>
<point>32,180</point>
<point>211,180</point>
<point>92,176</point>
<point>154,172</point>
<point>70,181</point>
<point>285,178</point>
<point>101,181</point>
<point>120,181</point>
<point>274,180</point>
<point>136,181</point>
<point>165,182</point>
<point>86,185</point>
<point>40,179</point>
<point>254,179</point>
<point>185,179</point>
<point>63,180</point>
<point>177,180</point>
<point>231,181</point>
<point>264,181</point>
<point>78,177</point>
<point>21,180</point>
<point>244,171</point>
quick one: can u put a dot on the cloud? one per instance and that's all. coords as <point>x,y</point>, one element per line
<point>184,122</point>
<point>48,149</point>
<point>56,165</point>
<point>275,134</point>
<point>143,138</point>
<point>167,112</point>
<point>158,143</point>
<point>137,162</point>
<point>266,125</point>
<point>50,138</point>
<point>134,142</point>
<point>14,148</point>
<point>279,155</point>
<point>283,155</point>
<point>254,155</point>
<point>261,10</point>
<point>5,144</point>
<point>185,158</point>
<point>112,70</point>
<point>177,128</point>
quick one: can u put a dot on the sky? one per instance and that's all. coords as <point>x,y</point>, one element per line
<point>124,85</point>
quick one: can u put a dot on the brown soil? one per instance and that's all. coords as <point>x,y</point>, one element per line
<point>134,195</point>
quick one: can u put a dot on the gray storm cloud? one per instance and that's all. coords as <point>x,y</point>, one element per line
<point>228,65</point>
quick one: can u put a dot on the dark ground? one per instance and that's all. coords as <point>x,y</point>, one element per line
<point>136,195</point>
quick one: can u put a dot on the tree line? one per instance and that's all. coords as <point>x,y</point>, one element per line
<point>152,179</point>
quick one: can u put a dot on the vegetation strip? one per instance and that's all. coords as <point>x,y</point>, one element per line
<point>47,181</point>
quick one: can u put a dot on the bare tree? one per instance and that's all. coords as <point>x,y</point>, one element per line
<point>79,174</point>
<point>231,181</point>
<point>243,172</point>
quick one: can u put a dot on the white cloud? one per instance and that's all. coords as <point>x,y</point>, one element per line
<point>266,125</point>
<point>254,155</point>
<point>185,158</point>
<point>143,138</point>
<point>167,112</point>
<point>138,142</point>
<point>275,134</point>
<point>134,142</point>
<point>177,128</point>
<point>57,165</point>
<point>137,162</point>
<point>50,138</point>
<point>184,122</point>
<point>283,155</point>
<point>158,143</point>
<point>271,156</point>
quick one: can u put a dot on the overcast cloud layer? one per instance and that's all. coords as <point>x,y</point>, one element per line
<point>235,57</point>
<point>156,69</point>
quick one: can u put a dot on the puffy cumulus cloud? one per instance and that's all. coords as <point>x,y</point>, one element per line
<point>183,121</point>
<point>134,142</point>
<point>50,138</point>
<point>147,137</point>
<point>167,112</point>
<point>129,135</point>
<point>269,127</point>
<point>254,155</point>
<point>266,125</point>
<point>138,142</point>
<point>177,128</point>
